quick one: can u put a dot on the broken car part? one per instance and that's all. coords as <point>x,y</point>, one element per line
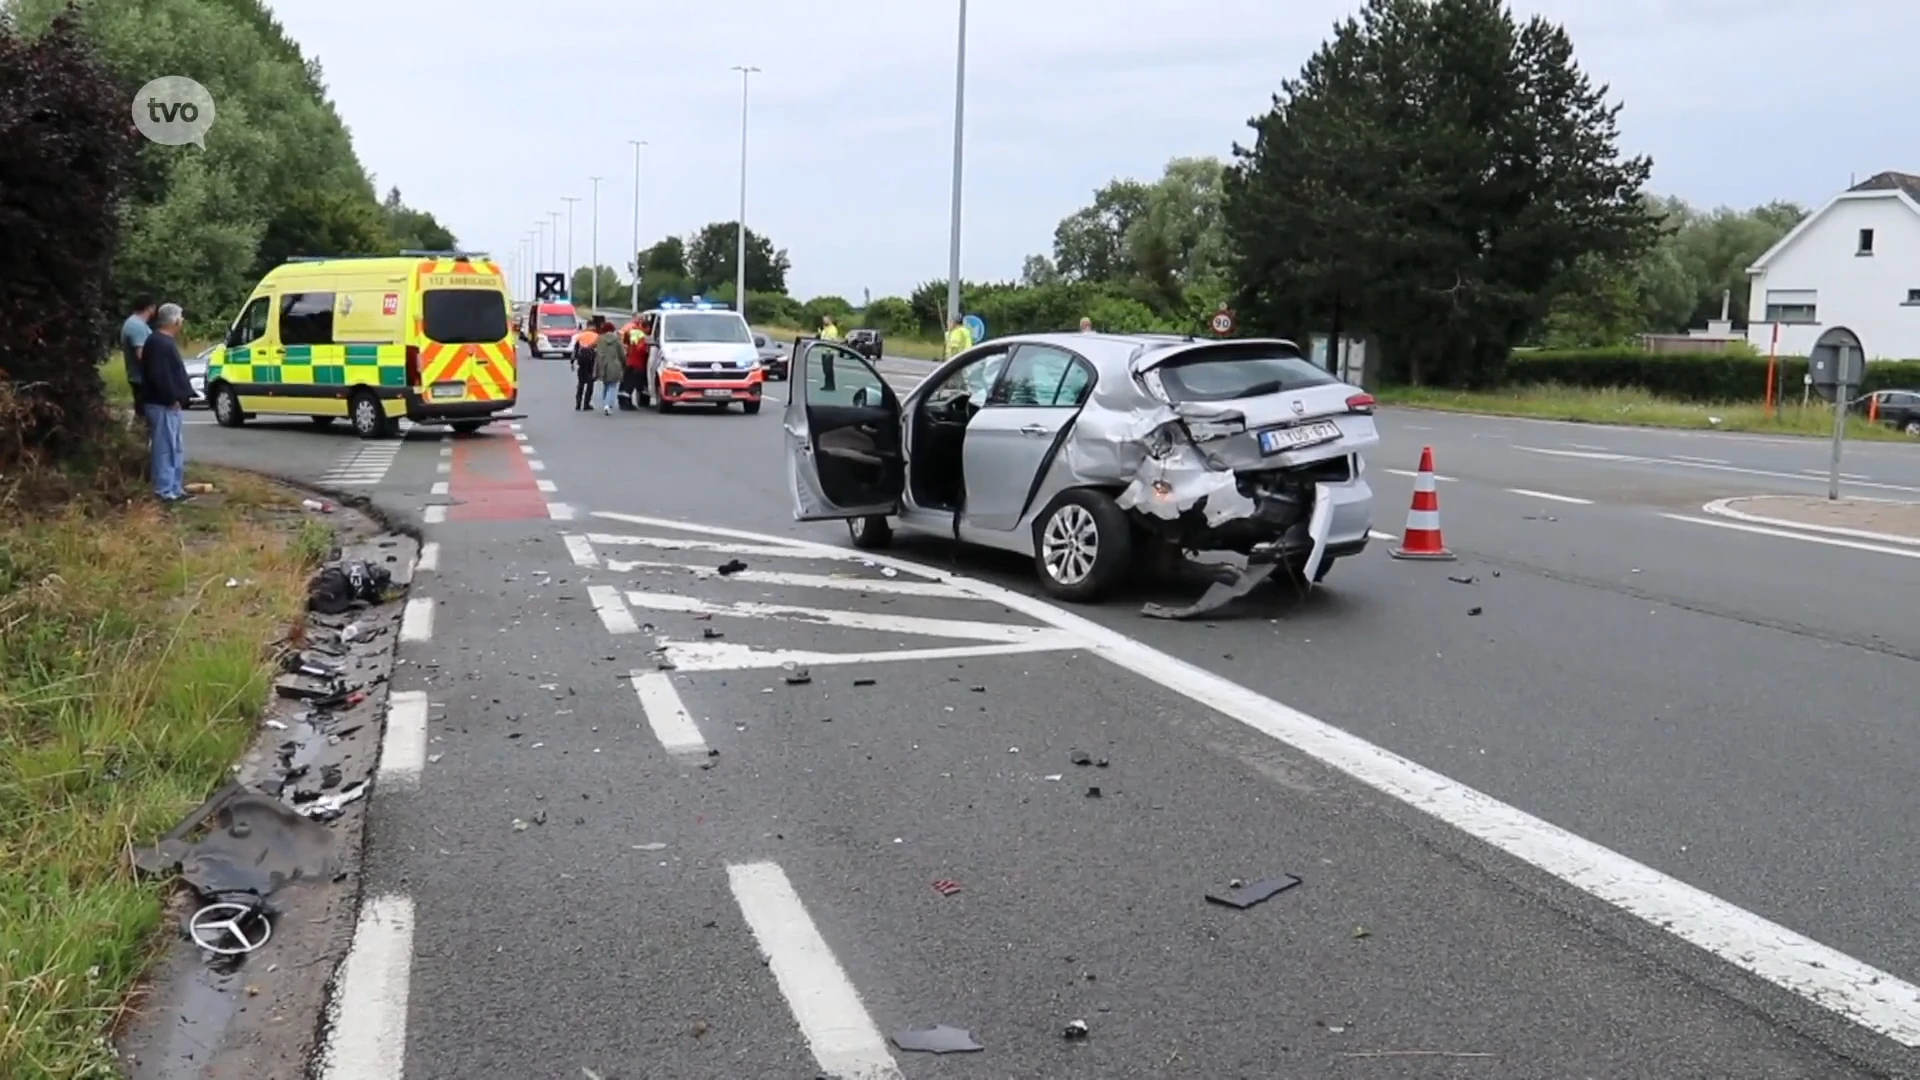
<point>938,1039</point>
<point>1243,895</point>
<point>1075,1030</point>
<point>342,584</point>
<point>228,928</point>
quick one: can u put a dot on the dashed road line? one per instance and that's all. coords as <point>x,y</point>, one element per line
<point>416,621</point>
<point>403,748</point>
<point>429,557</point>
<point>547,486</point>
<point>1700,460</point>
<point>581,551</point>
<point>612,609</point>
<point>1712,466</point>
<point>667,715</point>
<point>559,511</point>
<point>1410,472</point>
<point>368,1034</point>
<point>535,464</point>
<point>921,625</point>
<point>1376,534</point>
<point>436,514</point>
<point>1550,496</point>
<point>440,487</point>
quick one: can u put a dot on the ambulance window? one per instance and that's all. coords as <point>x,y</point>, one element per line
<point>306,318</point>
<point>251,326</point>
<point>462,316</point>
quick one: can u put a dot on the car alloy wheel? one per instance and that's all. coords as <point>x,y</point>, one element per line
<point>1070,544</point>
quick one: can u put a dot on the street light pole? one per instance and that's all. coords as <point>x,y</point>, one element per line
<point>959,140</point>
<point>740,251</point>
<point>554,238</point>
<point>594,244</point>
<point>570,200</point>
<point>634,300</point>
<point>539,241</point>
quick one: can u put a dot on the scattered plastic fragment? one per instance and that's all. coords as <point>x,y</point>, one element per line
<point>799,677</point>
<point>1474,611</point>
<point>1075,1030</point>
<point>946,887</point>
<point>1461,579</point>
<point>1243,895</point>
<point>938,1039</point>
<point>1093,793</point>
<point>1055,778</point>
<point>888,571</point>
<point>710,633</point>
<point>731,566</point>
<point>863,682</point>
<point>1080,757</point>
<point>320,505</point>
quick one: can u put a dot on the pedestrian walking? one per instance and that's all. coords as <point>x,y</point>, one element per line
<point>133,337</point>
<point>166,394</point>
<point>583,344</point>
<point>609,364</point>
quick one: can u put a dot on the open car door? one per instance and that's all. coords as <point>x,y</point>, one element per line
<point>843,424</point>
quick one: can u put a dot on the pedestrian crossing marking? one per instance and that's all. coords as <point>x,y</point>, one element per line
<point>363,467</point>
<point>848,620</point>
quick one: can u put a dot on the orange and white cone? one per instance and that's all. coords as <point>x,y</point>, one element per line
<point>1422,539</point>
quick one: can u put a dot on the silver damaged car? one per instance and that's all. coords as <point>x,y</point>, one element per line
<point>1093,453</point>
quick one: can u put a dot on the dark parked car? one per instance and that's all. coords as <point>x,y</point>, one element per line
<point>865,342</point>
<point>1896,408</point>
<point>772,354</point>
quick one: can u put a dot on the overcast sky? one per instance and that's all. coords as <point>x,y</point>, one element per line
<point>487,112</point>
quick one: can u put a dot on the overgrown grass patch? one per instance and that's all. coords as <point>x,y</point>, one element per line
<point>131,677</point>
<point>1635,407</point>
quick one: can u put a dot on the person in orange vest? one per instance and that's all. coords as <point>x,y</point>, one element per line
<point>583,366</point>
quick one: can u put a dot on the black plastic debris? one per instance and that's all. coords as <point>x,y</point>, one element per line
<point>709,633</point>
<point>342,585</point>
<point>254,845</point>
<point>938,1039</point>
<point>1462,579</point>
<point>1243,895</point>
<point>1080,757</point>
<point>799,677</point>
<point>1093,793</point>
<point>1230,583</point>
<point>731,566</point>
<point>1474,611</point>
<point>1075,1031</point>
<point>863,682</point>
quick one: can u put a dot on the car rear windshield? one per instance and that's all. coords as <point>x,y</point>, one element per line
<point>1227,374</point>
<point>463,316</point>
<point>558,320</point>
<point>707,327</point>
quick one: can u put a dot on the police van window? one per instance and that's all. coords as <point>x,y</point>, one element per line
<point>251,326</point>
<point>462,316</point>
<point>306,318</point>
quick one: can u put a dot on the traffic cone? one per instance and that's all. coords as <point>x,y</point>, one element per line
<point>1422,539</point>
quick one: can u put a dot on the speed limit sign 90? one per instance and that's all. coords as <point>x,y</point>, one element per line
<point>1222,322</point>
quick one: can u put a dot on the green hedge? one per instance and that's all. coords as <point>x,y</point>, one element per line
<point>1686,376</point>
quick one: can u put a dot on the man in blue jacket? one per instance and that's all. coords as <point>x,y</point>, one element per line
<point>166,395</point>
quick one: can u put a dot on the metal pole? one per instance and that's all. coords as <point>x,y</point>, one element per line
<point>570,200</point>
<point>740,231</point>
<point>554,236</point>
<point>633,301</point>
<point>1844,359</point>
<point>959,141</point>
<point>594,243</point>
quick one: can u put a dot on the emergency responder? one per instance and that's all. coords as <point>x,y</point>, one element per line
<point>583,343</point>
<point>635,335</point>
<point>959,338</point>
<point>828,331</point>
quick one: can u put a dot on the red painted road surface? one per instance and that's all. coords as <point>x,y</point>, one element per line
<point>491,481</point>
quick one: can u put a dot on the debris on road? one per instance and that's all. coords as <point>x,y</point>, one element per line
<point>938,1039</point>
<point>798,677</point>
<point>863,682</point>
<point>946,887</point>
<point>1075,1031</point>
<point>317,505</point>
<point>1093,793</point>
<point>731,567</point>
<point>1242,895</point>
<point>1080,757</point>
<point>1462,579</point>
<point>1474,611</point>
<point>1230,583</point>
<point>344,584</point>
<point>710,634</point>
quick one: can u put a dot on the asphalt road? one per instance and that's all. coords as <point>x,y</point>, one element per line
<point>607,868</point>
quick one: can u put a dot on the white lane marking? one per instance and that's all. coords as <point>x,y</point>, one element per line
<point>547,486</point>
<point>1550,496</point>
<point>536,465</point>
<point>1584,455</point>
<point>436,514</point>
<point>363,467</point>
<point>580,550</point>
<point>1700,460</point>
<point>850,620</point>
<point>730,656</point>
<point>416,621</point>
<point>446,451</point>
<point>1410,472</point>
<point>429,559</point>
<point>526,451</point>
<point>1416,427</point>
<point>1585,446</point>
<point>559,511</point>
<point>777,551</point>
<point>440,487</point>
<point>1869,997</point>
<point>805,581</point>
<point>403,749</point>
<point>520,436</point>
<point>612,609</point>
<point>1823,474</point>
<point>1723,508</point>
<point>667,715</point>
<point>513,426</point>
<point>843,1037</point>
<point>368,1035</point>
<point>1376,534</point>
<point>1758,530</point>
<point>1692,464</point>
<point>443,467</point>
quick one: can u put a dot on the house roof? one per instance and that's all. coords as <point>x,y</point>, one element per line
<point>1901,187</point>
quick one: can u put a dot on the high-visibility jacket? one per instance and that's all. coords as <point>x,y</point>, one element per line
<point>585,339</point>
<point>830,332</point>
<point>636,345</point>
<point>959,340</point>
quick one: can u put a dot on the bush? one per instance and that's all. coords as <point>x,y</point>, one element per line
<point>1705,377</point>
<point>890,315</point>
<point>774,309</point>
<point>65,149</point>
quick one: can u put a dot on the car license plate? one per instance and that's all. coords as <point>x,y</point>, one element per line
<point>719,393</point>
<point>449,390</point>
<point>1280,440</point>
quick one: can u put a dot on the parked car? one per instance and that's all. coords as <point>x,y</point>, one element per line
<point>1896,408</point>
<point>865,342</point>
<point>197,377</point>
<point>1084,450</point>
<point>772,354</point>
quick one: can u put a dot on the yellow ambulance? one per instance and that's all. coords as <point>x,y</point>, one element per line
<point>423,335</point>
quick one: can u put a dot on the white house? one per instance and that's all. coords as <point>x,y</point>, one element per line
<point>1853,263</point>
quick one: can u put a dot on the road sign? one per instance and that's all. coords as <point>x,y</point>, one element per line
<point>1222,321</point>
<point>976,326</point>
<point>548,287</point>
<point>1834,367</point>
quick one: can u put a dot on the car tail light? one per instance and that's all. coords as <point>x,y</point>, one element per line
<point>413,365</point>
<point>1360,403</point>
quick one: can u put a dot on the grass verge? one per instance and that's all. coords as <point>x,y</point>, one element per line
<point>1637,408</point>
<point>131,677</point>
<point>912,348</point>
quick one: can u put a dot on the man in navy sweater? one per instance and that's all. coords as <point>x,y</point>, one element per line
<point>167,393</point>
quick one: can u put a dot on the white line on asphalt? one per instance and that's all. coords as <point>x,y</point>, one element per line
<point>1874,999</point>
<point>536,465</point>
<point>1823,474</point>
<point>403,749</point>
<point>667,715</point>
<point>446,451</point>
<point>843,1037</point>
<point>1410,472</point>
<point>1691,464</point>
<point>559,511</point>
<point>526,451</point>
<point>1584,446</point>
<point>436,514</point>
<point>514,426</point>
<point>443,467</point>
<point>1530,493</point>
<point>804,581</point>
<point>429,558</point>
<point>671,543</point>
<point>1723,508</point>
<point>368,1035</point>
<point>730,656</point>
<point>547,486</point>
<point>1376,534</point>
<point>1700,460</point>
<point>439,488</point>
<point>612,609</point>
<point>520,436</point>
<point>851,620</point>
<point>416,621</point>
<point>581,550</point>
<point>1758,530</point>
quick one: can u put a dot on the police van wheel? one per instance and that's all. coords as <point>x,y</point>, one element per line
<point>369,422</point>
<point>226,408</point>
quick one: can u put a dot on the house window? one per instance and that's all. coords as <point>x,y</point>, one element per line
<point>1866,242</point>
<point>1791,313</point>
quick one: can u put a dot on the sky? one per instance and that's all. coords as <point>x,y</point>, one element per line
<point>489,112</point>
